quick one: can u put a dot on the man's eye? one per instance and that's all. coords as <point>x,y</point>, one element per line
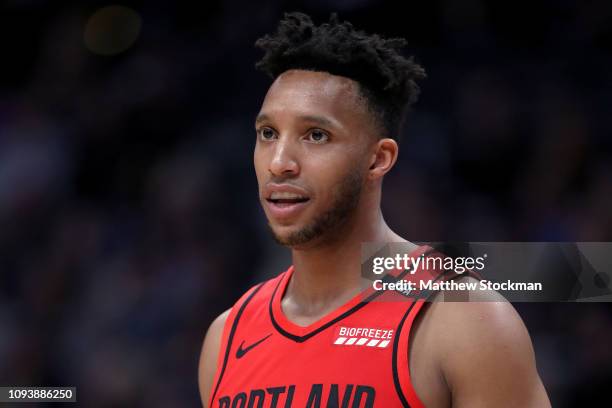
<point>318,136</point>
<point>266,134</point>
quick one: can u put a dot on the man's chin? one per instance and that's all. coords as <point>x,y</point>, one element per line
<point>292,237</point>
<point>283,236</point>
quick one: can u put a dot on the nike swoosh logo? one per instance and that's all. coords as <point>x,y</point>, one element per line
<point>242,351</point>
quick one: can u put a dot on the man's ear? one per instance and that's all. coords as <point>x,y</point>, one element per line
<point>383,158</point>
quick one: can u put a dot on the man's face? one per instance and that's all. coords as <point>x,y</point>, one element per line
<point>313,135</point>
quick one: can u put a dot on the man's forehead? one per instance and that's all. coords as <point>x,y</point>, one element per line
<point>313,90</point>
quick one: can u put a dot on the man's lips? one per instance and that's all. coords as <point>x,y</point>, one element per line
<point>285,210</point>
<point>285,201</point>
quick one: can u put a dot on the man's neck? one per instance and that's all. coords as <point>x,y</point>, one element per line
<point>328,275</point>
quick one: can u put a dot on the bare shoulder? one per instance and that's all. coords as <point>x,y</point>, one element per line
<point>210,355</point>
<point>482,350</point>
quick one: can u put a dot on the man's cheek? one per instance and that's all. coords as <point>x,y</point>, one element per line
<point>327,194</point>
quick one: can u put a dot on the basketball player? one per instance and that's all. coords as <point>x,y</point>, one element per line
<point>315,335</point>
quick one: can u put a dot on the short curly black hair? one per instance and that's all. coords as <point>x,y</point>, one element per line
<point>387,79</point>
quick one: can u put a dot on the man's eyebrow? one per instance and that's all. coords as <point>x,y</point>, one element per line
<point>319,120</point>
<point>262,117</point>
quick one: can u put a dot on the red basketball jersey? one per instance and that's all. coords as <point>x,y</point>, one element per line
<point>356,356</point>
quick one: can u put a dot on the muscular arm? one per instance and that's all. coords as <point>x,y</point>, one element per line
<point>486,358</point>
<point>210,356</point>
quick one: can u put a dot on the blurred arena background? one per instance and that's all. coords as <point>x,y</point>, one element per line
<point>128,207</point>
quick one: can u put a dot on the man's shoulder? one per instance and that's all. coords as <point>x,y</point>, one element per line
<point>210,354</point>
<point>477,339</point>
<point>219,322</point>
<point>474,316</point>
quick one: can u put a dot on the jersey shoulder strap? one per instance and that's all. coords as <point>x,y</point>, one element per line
<point>242,310</point>
<point>402,377</point>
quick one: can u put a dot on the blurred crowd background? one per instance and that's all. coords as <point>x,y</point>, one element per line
<point>128,208</point>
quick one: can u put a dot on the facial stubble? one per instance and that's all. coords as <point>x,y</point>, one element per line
<point>345,200</point>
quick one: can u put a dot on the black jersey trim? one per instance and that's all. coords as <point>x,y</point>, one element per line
<point>425,295</point>
<point>396,380</point>
<point>231,338</point>
<point>303,338</point>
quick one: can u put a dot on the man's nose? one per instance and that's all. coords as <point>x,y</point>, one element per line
<point>284,161</point>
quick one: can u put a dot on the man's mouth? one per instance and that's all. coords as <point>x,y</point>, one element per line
<point>286,199</point>
<point>286,205</point>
